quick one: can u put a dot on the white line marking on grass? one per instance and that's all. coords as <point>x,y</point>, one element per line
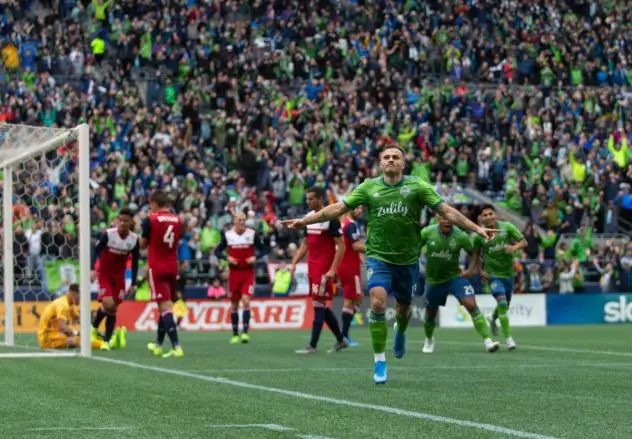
<point>311,436</point>
<point>342,402</point>
<point>79,428</point>
<point>272,427</point>
<point>559,349</point>
<point>436,367</point>
<point>37,355</point>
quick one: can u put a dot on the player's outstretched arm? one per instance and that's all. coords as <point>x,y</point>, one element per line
<point>458,219</point>
<point>328,213</point>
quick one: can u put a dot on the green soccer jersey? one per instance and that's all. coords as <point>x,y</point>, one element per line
<point>497,262</point>
<point>394,214</point>
<point>442,253</point>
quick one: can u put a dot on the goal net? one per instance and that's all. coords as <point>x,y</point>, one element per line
<point>45,232</point>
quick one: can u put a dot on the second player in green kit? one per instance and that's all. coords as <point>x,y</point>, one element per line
<point>443,244</point>
<point>498,262</point>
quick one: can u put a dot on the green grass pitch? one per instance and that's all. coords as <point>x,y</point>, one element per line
<point>563,382</point>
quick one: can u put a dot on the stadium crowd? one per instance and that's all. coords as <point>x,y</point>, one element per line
<point>244,105</point>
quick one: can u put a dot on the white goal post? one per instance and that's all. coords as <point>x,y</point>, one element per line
<point>20,144</point>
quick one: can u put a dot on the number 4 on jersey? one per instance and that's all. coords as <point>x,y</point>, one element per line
<point>169,237</point>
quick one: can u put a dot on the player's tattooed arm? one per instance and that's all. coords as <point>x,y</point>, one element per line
<point>328,213</point>
<point>458,219</point>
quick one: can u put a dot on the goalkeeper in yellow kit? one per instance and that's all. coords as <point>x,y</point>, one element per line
<point>55,329</point>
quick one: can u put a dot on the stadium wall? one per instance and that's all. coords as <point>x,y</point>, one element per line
<point>294,313</point>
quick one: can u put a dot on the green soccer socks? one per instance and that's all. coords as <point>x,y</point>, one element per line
<point>379,332</point>
<point>480,324</point>
<point>503,309</point>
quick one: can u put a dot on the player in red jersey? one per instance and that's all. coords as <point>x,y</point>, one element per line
<point>240,244</point>
<point>113,250</point>
<point>349,271</point>
<point>325,247</point>
<point>161,235</point>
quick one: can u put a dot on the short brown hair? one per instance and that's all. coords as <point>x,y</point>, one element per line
<point>74,288</point>
<point>392,146</point>
<point>160,198</point>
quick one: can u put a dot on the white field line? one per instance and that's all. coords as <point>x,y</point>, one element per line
<point>530,347</point>
<point>342,402</point>
<point>558,349</point>
<point>271,427</point>
<point>78,428</point>
<point>37,355</point>
<point>437,367</point>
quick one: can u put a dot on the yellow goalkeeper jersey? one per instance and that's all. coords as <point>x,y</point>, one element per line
<point>58,309</point>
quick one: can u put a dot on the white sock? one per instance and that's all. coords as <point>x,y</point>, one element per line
<point>380,357</point>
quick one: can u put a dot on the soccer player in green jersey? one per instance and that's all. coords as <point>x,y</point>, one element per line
<point>499,271</point>
<point>394,205</point>
<point>443,243</point>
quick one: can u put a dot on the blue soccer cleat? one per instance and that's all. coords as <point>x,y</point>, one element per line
<point>379,375</point>
<point>399,343</point>
<point>352,344</point>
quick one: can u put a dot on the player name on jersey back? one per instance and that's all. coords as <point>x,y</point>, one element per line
<point>168,218</point>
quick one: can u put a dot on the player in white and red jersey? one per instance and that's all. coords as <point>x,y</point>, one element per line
<point>113,251</point>
<point>325,247</point>
<point>349,271</point>
<point>161,236</point>
<point>240,244</point>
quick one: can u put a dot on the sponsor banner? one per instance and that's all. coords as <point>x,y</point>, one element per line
<point>27,315</point>
<point>203,315</point>
<point>525,310</point>
<point>568,309</point>
<point>362,316</point>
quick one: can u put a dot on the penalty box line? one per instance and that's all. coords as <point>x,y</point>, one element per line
<point>343,402</point>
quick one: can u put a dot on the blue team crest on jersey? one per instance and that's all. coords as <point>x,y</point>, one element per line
<point>369,273</point>
<point>404,191</point>
<point>494,285</point>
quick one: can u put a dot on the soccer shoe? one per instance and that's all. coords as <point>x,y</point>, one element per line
<point>234,339</point>
<point>351,343</point>
<point>379,373</point>
<point>94,335</point>
<point>177,352</point>
<point>306,351</point>
<point>493,326</point>
<point>245,338</point>
<point>491,345</point>
<point>429,345</point>
<point>511,344</point>
<point>339,346</point>
<point>105,346</point>
<point>155,349</point>
<point>121,337</point>
<point>114,341</point>
<point>399,343</point>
